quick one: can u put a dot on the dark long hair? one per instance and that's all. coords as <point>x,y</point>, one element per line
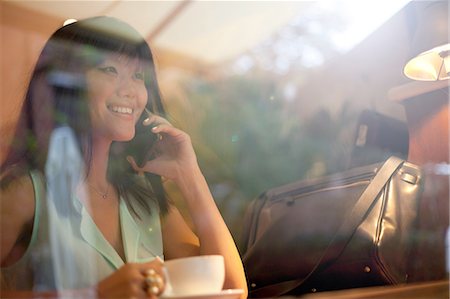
<point>56,96</point>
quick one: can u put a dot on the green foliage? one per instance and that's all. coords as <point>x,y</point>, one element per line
<point>249,139</point>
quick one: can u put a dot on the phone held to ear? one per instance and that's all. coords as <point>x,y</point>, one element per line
<point>141,146</point>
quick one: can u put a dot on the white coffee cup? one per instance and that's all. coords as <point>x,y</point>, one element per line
<point>197,275</point>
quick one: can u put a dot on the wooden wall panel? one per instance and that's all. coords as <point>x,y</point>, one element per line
<point>22,35</point>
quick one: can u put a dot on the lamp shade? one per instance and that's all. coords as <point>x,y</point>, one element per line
<point>430,65</point>
<point>430,47</point>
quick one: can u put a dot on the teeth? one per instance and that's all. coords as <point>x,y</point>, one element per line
<point>124,110</point>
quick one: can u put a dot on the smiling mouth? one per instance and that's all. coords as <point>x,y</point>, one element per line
<point>121,110</point>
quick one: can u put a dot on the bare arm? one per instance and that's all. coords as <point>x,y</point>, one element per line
<point>177,162</point>
<point>210,227</point>
<point>17,209</point>
<point>178,238</point>
<point>16,217</point>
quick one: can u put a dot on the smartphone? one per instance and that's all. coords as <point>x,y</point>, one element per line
<point>141,146</point>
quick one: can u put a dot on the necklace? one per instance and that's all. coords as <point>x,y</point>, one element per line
<point>104,195</point>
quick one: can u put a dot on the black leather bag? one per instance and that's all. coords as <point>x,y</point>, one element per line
<point>351,229</point>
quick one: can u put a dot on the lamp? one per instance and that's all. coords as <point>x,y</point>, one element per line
<point>430,65</point>
<point>431,41</point>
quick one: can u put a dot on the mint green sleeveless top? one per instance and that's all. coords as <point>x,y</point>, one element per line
<point>68,251</point>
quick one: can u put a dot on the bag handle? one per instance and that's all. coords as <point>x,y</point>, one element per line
<point>346,230</point>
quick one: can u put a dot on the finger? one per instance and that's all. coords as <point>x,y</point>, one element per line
<point>153,286</point>
<point>153,281</point>
<point>131,160</point>
<point>134,165</point>
<point>167,129</point>
<point>150,166</point>
<point>155,119</point>
<point>157,263</point>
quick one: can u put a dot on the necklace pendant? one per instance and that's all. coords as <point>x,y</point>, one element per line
<point>105,196</point>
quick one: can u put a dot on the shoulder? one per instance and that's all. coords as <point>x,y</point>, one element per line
<point>18,194</point>
<point>17,209</point>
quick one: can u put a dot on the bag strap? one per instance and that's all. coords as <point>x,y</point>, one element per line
<point>345,231</point>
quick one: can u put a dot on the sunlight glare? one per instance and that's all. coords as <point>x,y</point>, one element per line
<point>364,17</point>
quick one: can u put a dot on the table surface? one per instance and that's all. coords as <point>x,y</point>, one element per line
<point>428,290</point>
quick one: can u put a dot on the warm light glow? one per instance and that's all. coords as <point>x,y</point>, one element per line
<point>363,18</point>
<point>447,63</point>
<point>69,21</point>
<point>431,65</point>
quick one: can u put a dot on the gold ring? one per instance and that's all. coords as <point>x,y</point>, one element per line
<point>153,282</point>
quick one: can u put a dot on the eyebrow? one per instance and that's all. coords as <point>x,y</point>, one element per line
<point>123,58</point>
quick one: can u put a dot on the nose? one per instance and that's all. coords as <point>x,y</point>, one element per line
<point>126,87</point>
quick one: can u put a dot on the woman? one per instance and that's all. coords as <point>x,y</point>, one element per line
<point>97,78</point>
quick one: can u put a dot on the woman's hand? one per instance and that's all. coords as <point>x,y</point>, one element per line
<point>133,280</point>
<point>173,151</point>
<point>175,159</point>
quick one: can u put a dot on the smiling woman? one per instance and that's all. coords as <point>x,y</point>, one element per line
<point>117,95</point>
<point>71,191</point>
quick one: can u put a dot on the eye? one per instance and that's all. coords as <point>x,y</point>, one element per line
<point>108,69</point>
<point>139,75</point>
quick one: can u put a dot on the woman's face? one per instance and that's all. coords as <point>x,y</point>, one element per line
<point>117,97</point>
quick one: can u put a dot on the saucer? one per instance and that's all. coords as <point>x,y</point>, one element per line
<point>224,294</point>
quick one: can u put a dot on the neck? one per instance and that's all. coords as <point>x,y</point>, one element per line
<point>98,167</point>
